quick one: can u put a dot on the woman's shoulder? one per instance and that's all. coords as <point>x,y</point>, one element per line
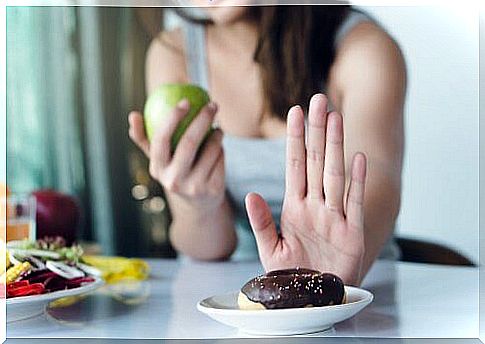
<point>367,36</point>
<point>366,49</point>
<point>165,59</point>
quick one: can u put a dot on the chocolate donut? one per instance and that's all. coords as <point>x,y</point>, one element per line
<point>292,288</point>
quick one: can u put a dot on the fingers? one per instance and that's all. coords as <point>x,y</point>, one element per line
<point>316,146</point>
<point>262,224</point>
<point>210,155</point>
<point>216,175</point>
<point>137,132</point>
<point>191,140</point>
<point>160,148</point>
<point>295,154</point>
<point>334,169</point>
<point>355,197</point>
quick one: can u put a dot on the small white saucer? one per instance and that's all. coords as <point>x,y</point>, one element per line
<point>280,322</point>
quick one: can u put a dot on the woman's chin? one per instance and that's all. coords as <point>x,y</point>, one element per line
<point>213,3</point>
<point>223,15</point>
<point>223,12</point>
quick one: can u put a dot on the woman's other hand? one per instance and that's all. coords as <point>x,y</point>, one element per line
<point>193,175</point>
<point>320,228</point>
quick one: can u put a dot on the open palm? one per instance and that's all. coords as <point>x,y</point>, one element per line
<point>318,228</point>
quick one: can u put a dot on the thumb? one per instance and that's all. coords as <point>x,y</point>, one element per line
<point>262,223</point>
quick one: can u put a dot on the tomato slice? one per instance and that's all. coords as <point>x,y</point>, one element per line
<point>31,289</point>
<point>18,284</point>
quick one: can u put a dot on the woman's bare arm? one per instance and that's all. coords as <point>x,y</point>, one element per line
<point>202,229</point>
<point>369,85</point>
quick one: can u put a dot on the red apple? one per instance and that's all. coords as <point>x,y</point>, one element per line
<point>57,214</point>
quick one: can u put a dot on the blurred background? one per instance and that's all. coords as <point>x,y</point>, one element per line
<point>74,73</point>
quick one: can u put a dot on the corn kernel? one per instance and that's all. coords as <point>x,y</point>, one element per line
<point>8,263</point>
<point>15,271</point>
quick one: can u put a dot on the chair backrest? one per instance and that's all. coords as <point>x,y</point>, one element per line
<point>418,251</point>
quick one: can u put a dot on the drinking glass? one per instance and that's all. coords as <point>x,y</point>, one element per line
<point>18,217</point>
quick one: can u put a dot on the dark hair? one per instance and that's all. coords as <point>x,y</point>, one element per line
<point>295,50</point>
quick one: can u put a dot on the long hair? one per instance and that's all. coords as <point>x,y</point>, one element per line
<point>295,50</point>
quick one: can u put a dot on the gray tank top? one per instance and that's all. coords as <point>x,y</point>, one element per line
<point>254,164</point>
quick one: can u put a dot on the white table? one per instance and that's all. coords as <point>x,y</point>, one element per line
<point>411,300</point>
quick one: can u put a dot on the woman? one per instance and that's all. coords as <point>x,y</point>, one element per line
<point>256,63</point>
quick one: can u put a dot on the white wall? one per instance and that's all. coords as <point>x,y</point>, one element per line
<point>440,191</point>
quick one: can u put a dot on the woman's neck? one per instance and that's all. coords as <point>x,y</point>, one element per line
<point>239,36</point>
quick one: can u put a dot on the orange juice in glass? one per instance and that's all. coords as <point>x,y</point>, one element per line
<point>18,217</point>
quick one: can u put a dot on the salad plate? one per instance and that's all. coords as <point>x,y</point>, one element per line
<point>41,271</point>
<point>24,307</point>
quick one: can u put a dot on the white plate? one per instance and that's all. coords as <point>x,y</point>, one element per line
<point>290,321</point>
<point>23,307</point>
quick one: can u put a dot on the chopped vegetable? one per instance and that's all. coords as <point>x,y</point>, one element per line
<point>54,248</point>
<point>7,260</point>
<point>42,276</point>
<point>30,289</point>
<point>89,269</point>
<point>14,260</point>
<point>64,270</point>
<point>36,263</point>
<point>48,265</point>
<point>15,271</point>
<point>80,280</point>
<point>50,243</point>
<point>34,252</point>
<point>17,284</point>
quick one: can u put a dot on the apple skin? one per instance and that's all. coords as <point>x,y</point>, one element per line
<point>163,100</point>
<point>56,214</point>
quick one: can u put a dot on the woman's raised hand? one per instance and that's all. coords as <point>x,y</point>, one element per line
<point>196,177</point>
<point>319,229</point>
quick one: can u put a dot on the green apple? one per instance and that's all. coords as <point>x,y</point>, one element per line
<point>163,100</point>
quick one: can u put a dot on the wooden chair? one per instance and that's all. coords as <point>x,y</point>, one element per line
<point>419,251</point>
